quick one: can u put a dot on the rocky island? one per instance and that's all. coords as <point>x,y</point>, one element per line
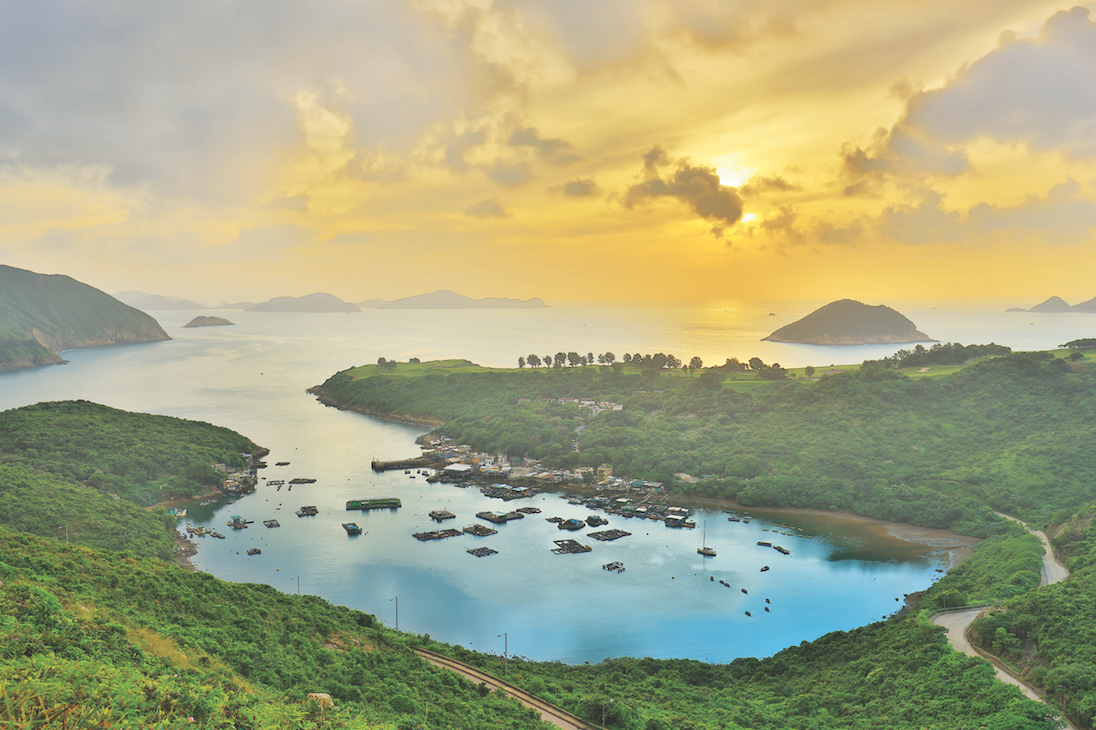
<point>41,314</point>
<point>208,322</point>
<point>848,322</point>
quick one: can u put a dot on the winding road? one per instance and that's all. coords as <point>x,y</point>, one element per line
<point>548,712</point>
<point>957,622</point>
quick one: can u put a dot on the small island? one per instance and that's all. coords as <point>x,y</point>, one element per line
<point>848,322</point>
<point>208,322</point>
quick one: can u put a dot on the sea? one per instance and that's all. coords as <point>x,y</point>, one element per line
<point>525,600</point>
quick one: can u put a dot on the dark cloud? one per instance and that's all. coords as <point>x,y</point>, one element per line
<point>530,137</point>
<point>1064,216</point>
<point>696,186</point>
<point>455,151</point>
<point>489,208</point>
<point>759,184</point>
<point>508,176</point>
<point>582,188</point>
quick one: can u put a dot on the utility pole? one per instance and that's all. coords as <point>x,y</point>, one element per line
<point>66,532</point>
<point>397,600</point>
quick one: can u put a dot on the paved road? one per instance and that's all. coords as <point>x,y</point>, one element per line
<point>957,622</point>
<point>548,712</point>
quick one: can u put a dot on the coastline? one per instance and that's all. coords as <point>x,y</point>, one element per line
<point>332,403</point>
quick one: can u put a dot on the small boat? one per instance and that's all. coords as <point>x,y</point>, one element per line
<point>704,549</point>
<point>254,551</point>
<point>745,591</point>
<point>747,613</point>
<point>764,568</point>
<point>762,543</point>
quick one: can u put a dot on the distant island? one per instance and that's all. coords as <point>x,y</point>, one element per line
<point>318,302</point>
<point>848,322</point>
<point>143,301</point>
<point>445,299</point>
<point>208,322</point>
<point>1056,305</point>
<point>42,314</point>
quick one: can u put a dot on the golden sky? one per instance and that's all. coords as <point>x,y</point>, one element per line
<point>654,150</point>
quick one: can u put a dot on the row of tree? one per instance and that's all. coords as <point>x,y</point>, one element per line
<point>657,361</point>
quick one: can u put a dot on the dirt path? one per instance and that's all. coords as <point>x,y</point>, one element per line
<point>957,622</point>
<point>548,712</point>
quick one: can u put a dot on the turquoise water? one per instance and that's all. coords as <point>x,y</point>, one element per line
<point>252,378</point>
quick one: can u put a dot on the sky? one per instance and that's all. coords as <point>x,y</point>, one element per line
<point>618,150</point>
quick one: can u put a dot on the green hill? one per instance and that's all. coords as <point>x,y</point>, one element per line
<point>847,322</point>
<point>42,314</point>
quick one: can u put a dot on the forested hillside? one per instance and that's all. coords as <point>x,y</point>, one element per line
<point>40,314</point>
<point>139,457</point>
<point>1014,432</point>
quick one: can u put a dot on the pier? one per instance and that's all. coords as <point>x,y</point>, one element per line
<point>416,463</point>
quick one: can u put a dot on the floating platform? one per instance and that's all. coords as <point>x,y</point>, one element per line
<point>595,521</point>
<point>309,511</point>
<point>500,517</point>
<point>482,552</point>
<point>442,514</point>
<point>570,547</point>
<point>407,463</point>
<point>254,551</point>
<point>436,535</point>
<point>616,566</point>
<point>762,543</point>
<point>480,530</point>
<point>606,535</point>
<point>217,535</point>
<point>302,480</point>
<point>351,528</point>
<point>529,510</point>
<point>782,551</point>
<point>282,463</point>
<point>368,504</point>
<point>271,523</point>
<point>571,525</point>
<point>553,519</point>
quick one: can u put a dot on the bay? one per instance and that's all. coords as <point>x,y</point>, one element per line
<point>252,378</point>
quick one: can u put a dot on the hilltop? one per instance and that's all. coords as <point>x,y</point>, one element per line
<point>848,322</point>
<point>318,302</point>
<point>42,314</point>
<point>208,322</point>
<point>445,299</point>
<point>1056,305</point>
<point>144,301</point>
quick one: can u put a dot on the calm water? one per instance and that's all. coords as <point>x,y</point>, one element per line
<point>252,378</point>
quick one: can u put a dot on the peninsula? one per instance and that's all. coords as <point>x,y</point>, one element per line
<point>42,314</point>
<point>318,302</point>
<point>445,299</point>
<point>848,322</point>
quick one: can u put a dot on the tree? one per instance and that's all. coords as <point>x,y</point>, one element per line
<point>610,358</point>
<point>658,360</point>
<point>560,359</point>
<point>756,363</point>
<point>521,363</point>
<point>809,370</point>
<point>695,364</point>
<point>672,362</point>
<point>573,359</point>
<point>547,361</point>
<point>589,359</point>
<point>627,357</point>
<point>533,360</point>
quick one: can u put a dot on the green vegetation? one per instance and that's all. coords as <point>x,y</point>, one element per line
<point>1049,635</point>
<point>95,639</point>
<point>39,314</point>
<point>1003,566</point>
<point>1012,432</point>
<point>951,353</point>
<point>1087,343</point>
<point>138,457</point>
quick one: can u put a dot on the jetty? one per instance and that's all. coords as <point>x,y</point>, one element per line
<point>442,514</point>
<point>421,461</point>
<point>570,547</point>
<point>480,530</point>
<point>367,504</point>
<point>482,552</point>
<point>436,535</point>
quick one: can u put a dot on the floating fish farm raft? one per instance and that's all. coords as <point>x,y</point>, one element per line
<point>482,552</point>
<point>309,511</point>
<point>368,504</point>
<point>616,566</point>
<point>272,523</point>
<point>442,514</point>
<point>568,547</point>
<point>606,535</point>
<point>480,530</point>
<point>436,535</point>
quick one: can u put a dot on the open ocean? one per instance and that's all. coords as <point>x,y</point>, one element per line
<point>252,378</point>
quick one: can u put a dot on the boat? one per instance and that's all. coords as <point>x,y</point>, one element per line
<point>762,543</point>
<point>704,549</point>
<point>571,525</point>
<point>254,551</point>
<point>351,528</point>
<point>764,568</point>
